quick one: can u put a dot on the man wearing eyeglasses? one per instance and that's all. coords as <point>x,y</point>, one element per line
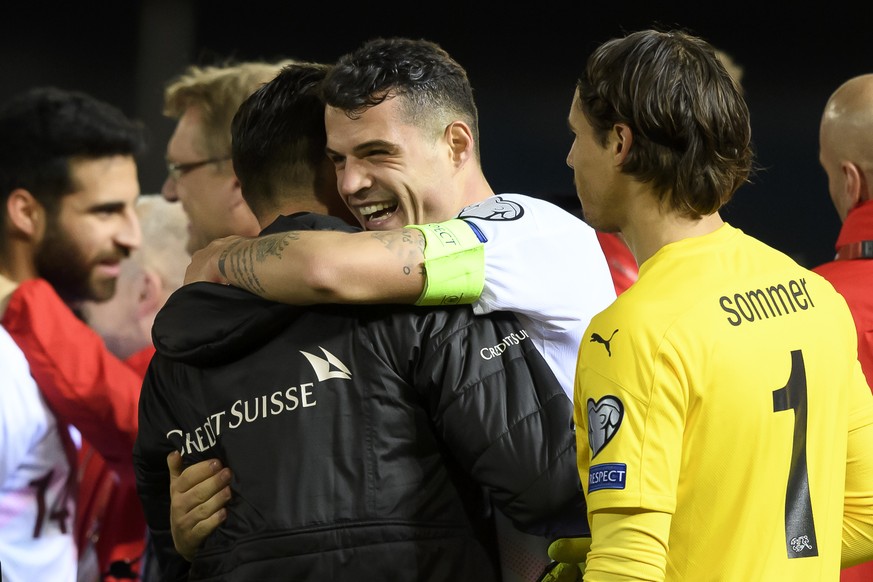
<point>200,175</point>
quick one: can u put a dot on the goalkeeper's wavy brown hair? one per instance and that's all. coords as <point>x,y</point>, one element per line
<point>691,128</point>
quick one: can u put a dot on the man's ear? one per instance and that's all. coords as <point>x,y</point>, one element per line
<point>236,186</point>
<point>623,139</point>
<point>460,140</point>
<point>856,188</point>
<point>26,214</point>
<point>150,294</point>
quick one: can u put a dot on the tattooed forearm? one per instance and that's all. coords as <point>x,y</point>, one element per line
<point>242,264</point>
<point>242,259</point>
<point>407,244</point>
<point>273,245</point>
<point>223,258</point>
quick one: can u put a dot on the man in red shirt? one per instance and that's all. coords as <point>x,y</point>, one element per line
<point>846,154</point>
<point>68,178</point>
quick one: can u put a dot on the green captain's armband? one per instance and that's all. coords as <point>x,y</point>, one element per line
<point>454,263</point>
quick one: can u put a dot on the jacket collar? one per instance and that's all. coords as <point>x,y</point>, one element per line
<point>858,225</point>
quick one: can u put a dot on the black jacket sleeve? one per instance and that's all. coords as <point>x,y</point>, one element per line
<point>503,414</point>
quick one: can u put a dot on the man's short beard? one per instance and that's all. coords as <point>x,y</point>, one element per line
<point>60,262</point>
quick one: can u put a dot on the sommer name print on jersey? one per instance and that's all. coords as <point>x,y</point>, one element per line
<point>773,301</point>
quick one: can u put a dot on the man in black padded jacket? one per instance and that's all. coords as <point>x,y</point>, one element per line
<point>361,438</point>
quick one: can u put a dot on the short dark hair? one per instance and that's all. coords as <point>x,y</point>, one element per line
<point>45,128</point>
<point>278,137</point>
<point>433,86</point>
<point>691,128</point>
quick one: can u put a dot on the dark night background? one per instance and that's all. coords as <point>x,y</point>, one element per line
<point>522,63</point>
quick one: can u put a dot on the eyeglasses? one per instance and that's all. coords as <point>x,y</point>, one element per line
<point>176,171</point>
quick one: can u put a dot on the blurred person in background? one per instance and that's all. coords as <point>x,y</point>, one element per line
<point>68,178</point>
<point>200,175</point>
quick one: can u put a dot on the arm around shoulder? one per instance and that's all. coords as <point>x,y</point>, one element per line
<point>313,266</point>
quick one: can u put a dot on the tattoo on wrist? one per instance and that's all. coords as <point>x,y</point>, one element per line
<point>223,258</point>
<point>238,262</point>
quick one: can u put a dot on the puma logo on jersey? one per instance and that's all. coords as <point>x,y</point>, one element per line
<point>604,418</point>
<point>596,337</point>
<point>328,368</point>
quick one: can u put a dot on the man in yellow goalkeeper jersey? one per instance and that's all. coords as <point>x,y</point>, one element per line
<point>724,426</point>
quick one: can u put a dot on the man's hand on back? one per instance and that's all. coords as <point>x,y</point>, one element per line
<point>197,499</point>
<point>207,263</point>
